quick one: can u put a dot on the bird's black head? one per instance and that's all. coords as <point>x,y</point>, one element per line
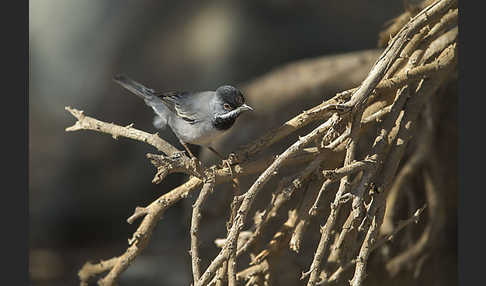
<point>231,103</point>
<point>231,96</point>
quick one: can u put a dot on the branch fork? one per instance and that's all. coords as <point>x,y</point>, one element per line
<point>177,163</point>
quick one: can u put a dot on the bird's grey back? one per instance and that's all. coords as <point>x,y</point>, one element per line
<point>188,107</point>
<point>195,105</point>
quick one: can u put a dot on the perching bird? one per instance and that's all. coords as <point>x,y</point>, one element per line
<point>197,118</point>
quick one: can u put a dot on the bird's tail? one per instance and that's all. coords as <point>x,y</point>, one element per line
<point>149,96</point>
<point>134,87</point>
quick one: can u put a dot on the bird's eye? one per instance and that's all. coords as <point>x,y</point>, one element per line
<point>227,106</point>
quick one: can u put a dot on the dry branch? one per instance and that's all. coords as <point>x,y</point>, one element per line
<point>416,63</point>
<point>88,123</point>
<point>195,221</point>
<point>250,195</point>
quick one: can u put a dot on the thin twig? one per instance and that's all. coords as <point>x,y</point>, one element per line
<point>288,190</point>
<point>196,218</point>
<point>88,123</point>
<point>382,65</point>
<point>335,206</point>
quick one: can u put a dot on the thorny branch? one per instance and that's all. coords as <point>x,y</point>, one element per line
<point>418,60</point>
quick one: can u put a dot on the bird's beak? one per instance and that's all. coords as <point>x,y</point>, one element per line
<point>245,107</point>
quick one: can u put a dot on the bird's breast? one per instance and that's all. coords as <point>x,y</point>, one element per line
<point>223,124</point>
<point>200,133</point>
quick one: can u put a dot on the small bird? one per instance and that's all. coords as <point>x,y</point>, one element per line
<point>197,118</point>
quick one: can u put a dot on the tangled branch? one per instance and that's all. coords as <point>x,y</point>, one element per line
<point>417,61</point>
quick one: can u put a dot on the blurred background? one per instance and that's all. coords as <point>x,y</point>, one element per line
<point>84,185</point>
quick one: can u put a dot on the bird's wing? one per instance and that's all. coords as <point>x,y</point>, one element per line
<point>183,104</point>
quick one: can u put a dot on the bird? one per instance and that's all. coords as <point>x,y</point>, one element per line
<point>197,118</point>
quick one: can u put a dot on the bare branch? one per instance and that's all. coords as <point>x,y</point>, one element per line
<point>253,191</point>
<point>88,123</point>
<point>196,218</point>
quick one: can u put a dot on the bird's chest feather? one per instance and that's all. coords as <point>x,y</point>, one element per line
<point>200,133</point>
<point>223,124</point>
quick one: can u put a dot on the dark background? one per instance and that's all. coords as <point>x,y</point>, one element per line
<point>83,185</point>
